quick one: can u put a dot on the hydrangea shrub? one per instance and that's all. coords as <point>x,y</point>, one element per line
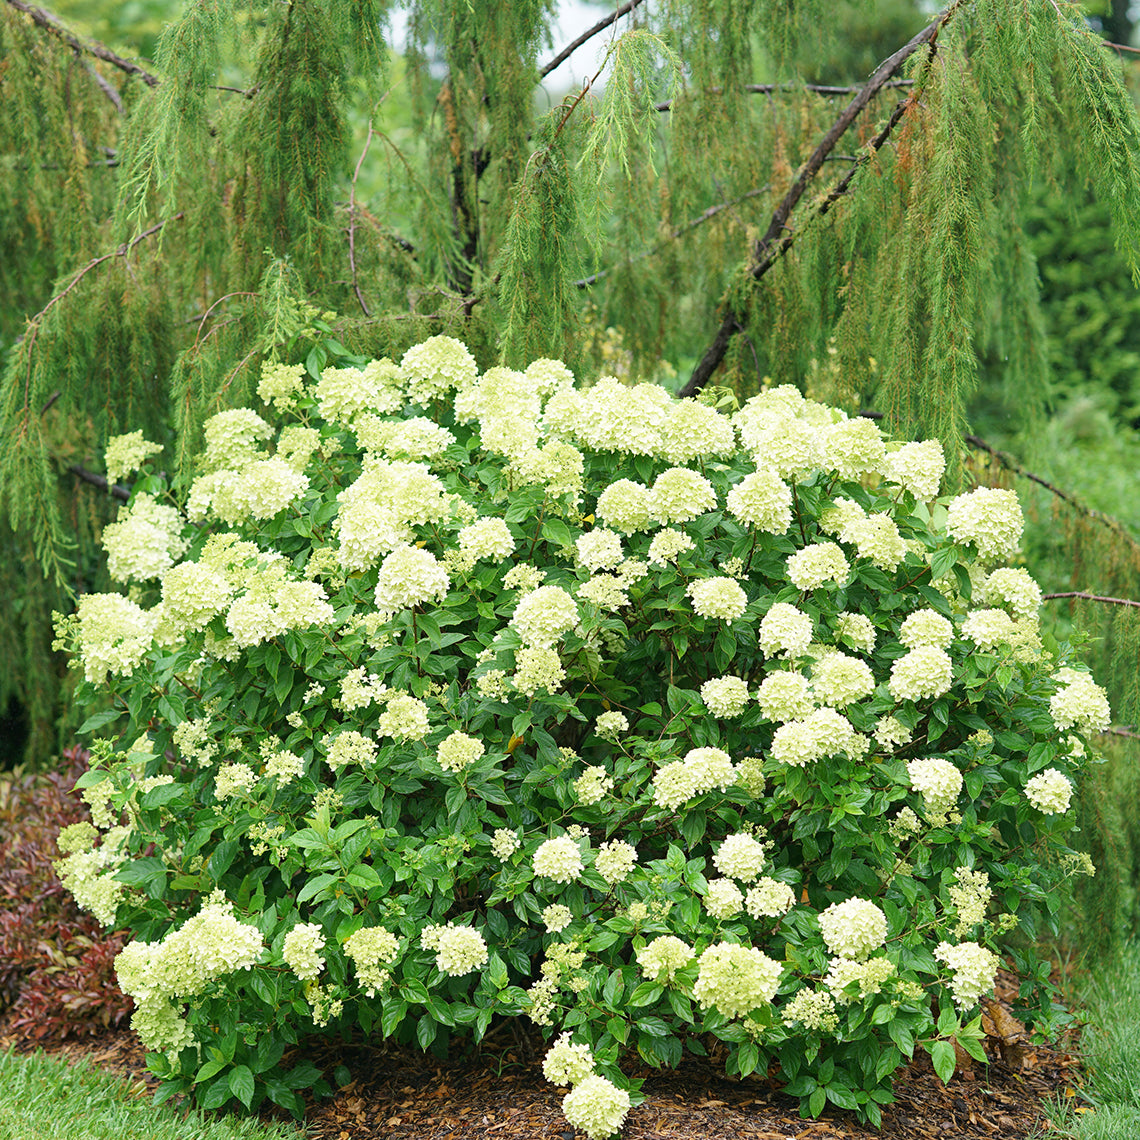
<point>446,696</point>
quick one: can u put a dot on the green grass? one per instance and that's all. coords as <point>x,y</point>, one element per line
<point>46,1099</point>
<point>1111,1048</point>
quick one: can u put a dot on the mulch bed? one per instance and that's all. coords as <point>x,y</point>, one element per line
<point>499,1092</point>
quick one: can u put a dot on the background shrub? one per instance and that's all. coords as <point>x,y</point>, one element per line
<point>483,695</point>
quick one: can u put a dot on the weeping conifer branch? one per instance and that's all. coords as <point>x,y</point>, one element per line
<point>761,259</point>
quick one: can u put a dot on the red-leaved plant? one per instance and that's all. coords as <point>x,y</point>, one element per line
<point>57,976</point>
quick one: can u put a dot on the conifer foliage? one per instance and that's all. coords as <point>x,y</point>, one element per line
<point>276,184</point>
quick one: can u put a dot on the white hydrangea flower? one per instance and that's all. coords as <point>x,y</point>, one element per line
<point>458,751</point>
<point>736,979</point>
<point>857,630</point>
<point>405,718</point>
<point>769,898</point>
<point>233,780</point>
<point>694,431</point>
<point>556,917</point>
<point>839,679</point>
<point>679,495</point>
<point>592,785</point>
<point>923,672</point>
<point>1013,587</point>
<point>877,537</point>
<point>723,898</point>
<point>974,969</point>
<point>926,627</point>
<point>615,861</point>
<point>854,928</point>
<point>487,538</point>
<point>785,696</point>
<point>853,447</point>
<point>544,615</point>
<point>459,950</point>
<point>813,1009</point>
<point>1080,704</point>
<point>990,518</point>
<point>815,564</point>
<point>869,975</point>
<point>939,783</point>
<point>558,859</point>
<point>718,598</point>
<point>989,628</point>
<point>567,1063</point>
<point>409,577</point>
<point>610,725</point>
<point>538,667</point>
<point>1049,792</point>
<point>596,1106</point>
<point>762,500</point>
<point>918,467</point>
<point>127,453</point>
<point>663,957</point>
<point>435,367</point>
<point>785,631</point>
<point>668,545</point>
<point>302,951</point>
<point>821,734</point>
<point>114,635</point>
<point>349,747</point>
<point>145,541</point>
<point>891,733</point>
<point>740,857</point>
<point>371,949</point>
<point>725,697</point>
<point>523,577</point>
<point>624,506</point>
<point>504,843</point>
<point>599,549</point>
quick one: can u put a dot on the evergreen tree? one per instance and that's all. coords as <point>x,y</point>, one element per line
<point>741,194</point>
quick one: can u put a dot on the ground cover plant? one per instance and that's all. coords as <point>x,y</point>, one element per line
<point>452,696</point>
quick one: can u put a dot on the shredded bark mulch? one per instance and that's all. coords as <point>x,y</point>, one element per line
<point>498,1092</point>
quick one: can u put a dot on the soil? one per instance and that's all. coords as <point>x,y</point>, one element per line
<point>498,1092</point>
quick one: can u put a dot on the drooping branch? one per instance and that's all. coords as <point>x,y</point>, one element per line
<point>50,24</point>
<point>1091,598</point>
<point>680,231</point>
<point>600,26</point>
<point>36,322</point>
<point>761,261</point>
<point>823,89</point>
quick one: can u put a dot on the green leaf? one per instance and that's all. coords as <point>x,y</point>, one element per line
<point>426,1030</point>
<point>241,1083</point>
<point>816,1101</point>
<point>98,720</point>
<point>942,1057</point>
<point>645,994</point>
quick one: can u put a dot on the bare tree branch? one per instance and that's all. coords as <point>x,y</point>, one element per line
<point>816,88</point>
<point>680,231</point>
<point>117,491</point>
<point>48,22</point>
<point>762,256</point>
<point>600,26</point>
<point>1091,598</point>
<point>352,222</point>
